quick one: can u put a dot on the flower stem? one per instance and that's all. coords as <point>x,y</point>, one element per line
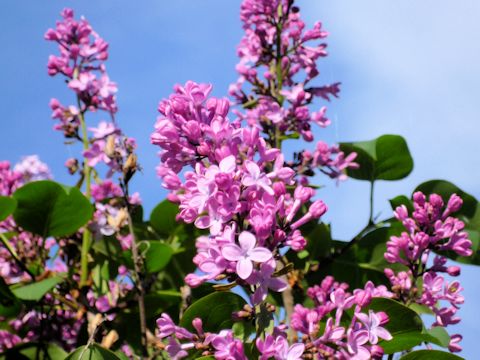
<point>370,218</point>
<point>86,238</point>
<point>138,265</point>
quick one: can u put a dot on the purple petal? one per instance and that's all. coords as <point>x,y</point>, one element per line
<point>259,295</point>
<point>260,254</point>
<point>228,164</point>
<point>252,168</point>
<point>203,222</point>
<point>248,181</point>
<point>244,268</point>
<point>295,351</point>
<point>232,252</point>
<point>383,333</point>
<point>247,240</point>
<point>277,285</point>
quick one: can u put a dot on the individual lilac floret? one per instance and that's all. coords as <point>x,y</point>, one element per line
<point>245,254</point>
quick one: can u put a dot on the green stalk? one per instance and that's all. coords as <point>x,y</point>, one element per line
<point>86,238</point>
<point>370,218</point>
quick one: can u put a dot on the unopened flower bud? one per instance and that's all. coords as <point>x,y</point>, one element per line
<point>72,165</point>
<point>453,270</point>
<point>110,146</point>
<point>130,165</point>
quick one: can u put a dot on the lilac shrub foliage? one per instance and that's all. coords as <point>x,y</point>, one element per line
<point>236,263</point>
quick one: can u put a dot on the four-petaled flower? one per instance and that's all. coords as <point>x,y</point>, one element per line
<point>245,254</point>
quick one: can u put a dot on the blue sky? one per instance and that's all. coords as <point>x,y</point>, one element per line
<point>410,68</point>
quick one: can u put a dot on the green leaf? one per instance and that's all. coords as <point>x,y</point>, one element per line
<point>404,325</point>
<point>34,350</point>
<point>47,208</point>
<point>7,206</point>
<point>92,352</point>
<point>35,291</point>
<point>163,219</point>
<point>157,255</point>
<point>429,355</point>
<point>420,309</point>
<point>158,301</point>
<point>384,158</point>
<point>215,310</point>
<point>401,200</point>
<point>437,335</point>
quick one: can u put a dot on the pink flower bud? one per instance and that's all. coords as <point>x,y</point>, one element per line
<point>454,203</point>
<point>279,188</point>
<point>436,200</point>
<point>419,198</point>
<point>376,352</point>
<point>453,270</point>
<point>383,317</point>
<point>198,325</point>
<point>317,209</point>
<point>303,193</point>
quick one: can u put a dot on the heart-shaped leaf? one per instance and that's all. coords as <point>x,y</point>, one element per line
<point>47,208</point>
<point>384,158</point>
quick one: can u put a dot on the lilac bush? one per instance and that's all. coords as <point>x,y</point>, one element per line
<point>236,263</point>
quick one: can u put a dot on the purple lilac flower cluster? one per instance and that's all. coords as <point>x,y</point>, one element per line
<point>430,228</point>
<point>82,61</point>
<point>278,61</point>
<point>238,190</point>
<point>340,339</point>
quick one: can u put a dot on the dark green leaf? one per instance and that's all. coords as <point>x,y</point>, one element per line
<point>7,206</point>
<point>436,335</point>
<point>215,310</point>
<point>401,200</point>
<point>33,350</point>
<point>159,301</point>
<point>163,219</point>
<point>384,158</point>
<point>35,291</point>
<point>404,325</point>
<point>92,352</point>
<point>157,256</point>
<point>50,209</point>
<point>429,355</point>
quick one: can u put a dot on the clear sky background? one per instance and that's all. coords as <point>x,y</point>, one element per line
<point>407,67</point>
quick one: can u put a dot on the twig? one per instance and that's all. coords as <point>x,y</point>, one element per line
<point>138,265</point>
